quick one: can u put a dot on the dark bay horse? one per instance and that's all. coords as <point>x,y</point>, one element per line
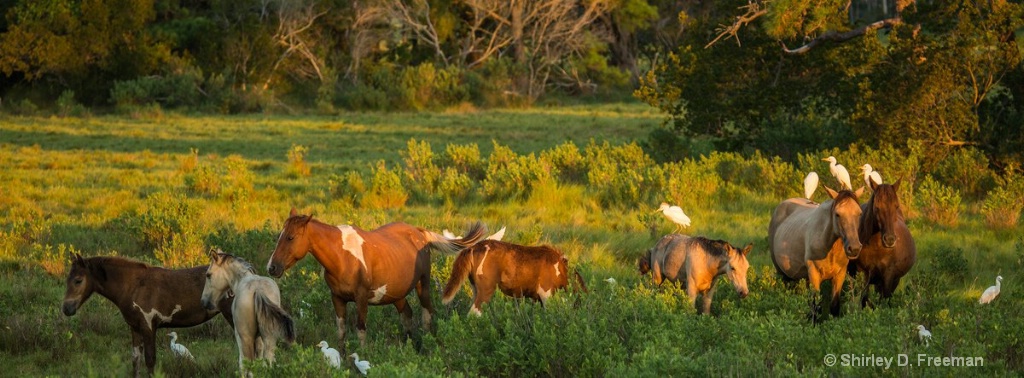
<point>889,250</point>
<point>697,262</point>
<point>801,237</point>
<point>519,271</point>
<point>148,297</point>
<point>376,267</point>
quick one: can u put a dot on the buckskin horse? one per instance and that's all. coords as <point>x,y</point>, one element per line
<point>519,271</point>
<point>697,262</point>
<point>801,237</point>
<point>889,250</point>
<point>148,297</point>
<point>376,267</point>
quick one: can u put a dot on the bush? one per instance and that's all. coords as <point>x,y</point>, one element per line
<point>951,262</point>
<point>512,176</point>
<point>623,175</point>
<point>67,106</point>
<point>420,171</point>
<point>966,170</point>
<point>1003,205</point>
<point>466,159</point>
<point>691,183</point>
<point>168,224</point>
<point>938,203</point>
<point>172,91</point>
<point>386,191</point>
<point>455,186</point>
<point>568,161</point>
<point>297,166</point>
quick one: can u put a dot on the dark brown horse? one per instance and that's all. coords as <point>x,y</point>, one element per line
<point>376,267</point>
<point>148,297</point>
<point>519,271</point>
<point>889,251</point>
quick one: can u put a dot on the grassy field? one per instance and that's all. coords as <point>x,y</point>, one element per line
<point>99,185</point>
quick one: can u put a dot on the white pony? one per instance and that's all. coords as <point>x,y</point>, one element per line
<point>259,319</point>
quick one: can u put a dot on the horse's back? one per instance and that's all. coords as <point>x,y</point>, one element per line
<point>786,235</point>
<point>671,254</point>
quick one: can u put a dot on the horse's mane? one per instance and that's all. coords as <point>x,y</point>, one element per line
<point>239,260</point>
<point>714,247</point>
<point>120,262</point>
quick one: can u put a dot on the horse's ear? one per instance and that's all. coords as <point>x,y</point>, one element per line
<point>896,185</point>
<point>213,255</point>
<point>831,193</point>
<point>309,218</point>
<point>77,259</point>
<point>873,184</point>
<point>859,191</point>
<point>748,248</point>
<point>293,213</point>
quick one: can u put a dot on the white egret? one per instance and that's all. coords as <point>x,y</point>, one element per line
<point>676,215</point>
<point>363,366</point>
<point>449,235</point>
<point>331,354</point>
<point>179,350</point>
<point>839,172</point>
<point>810,184</point>
<point>870,175</point>
<point>991,293</point>
<point>497,235</point>
<point>923,334</point>
<point>610,280</point>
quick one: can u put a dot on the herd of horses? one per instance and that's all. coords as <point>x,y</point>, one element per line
<point>807,240</point>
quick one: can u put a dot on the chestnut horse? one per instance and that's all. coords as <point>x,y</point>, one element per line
<point>697,262</point>
<point>376,267</point>
<point>519,271</point>
<point>148,297</point>
<point>801,237</point>
<point>889,250</point>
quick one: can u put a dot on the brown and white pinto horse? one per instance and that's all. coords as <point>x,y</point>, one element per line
<point>889,250</point>
<point>148,297</point>
<point>801,237</point>
<point>519,271</point>
<point>697,262</point>
<point>378,267</point>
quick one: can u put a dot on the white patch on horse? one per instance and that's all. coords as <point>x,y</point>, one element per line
<point>475,311</point>
<point>557,272</point>
<point>156,313</point>
<point>378,293</point>
<point>480,268</point>
<point>353,243</point>
<point>544,294</point>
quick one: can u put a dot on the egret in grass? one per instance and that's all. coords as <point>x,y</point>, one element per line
<point>923,334</point>
<point>331,354</point>
<point>610,280</point>
<point>991,293</point>
<point>497,235</point>
<point>179,350</point>
<point>363,366</point>
<point>676,215</point>
<point>839,172</point>
<point>810,184</point>
<point>871,175</point>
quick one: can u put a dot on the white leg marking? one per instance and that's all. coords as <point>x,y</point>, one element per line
<point>475,311</point>
<point>544,294</point>
<point>153,313</point>
<point>480,268</point>
<point>353,243</point>
<point>378,294</point>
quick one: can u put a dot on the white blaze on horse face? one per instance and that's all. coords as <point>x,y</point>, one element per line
<point>557,273</point>
<point>378,294</point>
<point>353,243</point>
<point>156,313</point>
<point>480,267</point>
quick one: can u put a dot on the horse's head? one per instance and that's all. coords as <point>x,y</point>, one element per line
<point>218,280</point>
<point>885,205</point>
<point>292,245</point>
<point>644,264</point>
<point>845,219</point>
<point>737,268</point>
<point>84,278</point>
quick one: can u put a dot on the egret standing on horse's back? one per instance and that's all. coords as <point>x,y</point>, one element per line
<point>871,175</point>
<point>810,185</point>
<point>675,214</point>
<point>839,172</point>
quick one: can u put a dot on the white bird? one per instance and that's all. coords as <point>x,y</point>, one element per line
<point>991,293</point>
<point>363,366</point>
<point>610,280</point>
<point>839,172</point>
<point>331,354</point>
<point>449,235</point>
<point>923,334</point>
<point>810,184</point>
<point>179,350</point>
<point>675,214</point>
<point>870,175</point>
<point>497,235</point>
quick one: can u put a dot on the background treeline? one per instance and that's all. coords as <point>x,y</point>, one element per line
<point>875,72</point>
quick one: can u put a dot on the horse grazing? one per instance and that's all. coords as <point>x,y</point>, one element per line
<point>376,267</point>
<point>148,297</point>
<point>801,237</point>
<point>697,262</point>
<point>519,271</point>
<point>889,250</point>
<point>259,319</point>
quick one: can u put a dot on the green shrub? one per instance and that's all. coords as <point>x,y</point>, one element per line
<point>455,185</point>
<point>465,158</point>
<point>25,107</point>
<point>966,170</point>
<point>510,175</point>
<point>568,161</point>
<point>53,260</point>
<point>623,175</point>
<point>421,173</point>
<point>169,224</point>
<point>691,183</point>
<point>951,262</point>
<point>67,106</point>
<point>172,91</point>
<point>1003,205</point>
<point>349,187</point>
<point>204,180</point>
<point>386,191</point>
<point>297,166</point>
<point>938,203</point>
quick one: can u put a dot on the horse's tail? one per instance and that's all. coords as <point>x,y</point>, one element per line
<point>473,235</point>
<point>460,271</point>
<point>271,319</point>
